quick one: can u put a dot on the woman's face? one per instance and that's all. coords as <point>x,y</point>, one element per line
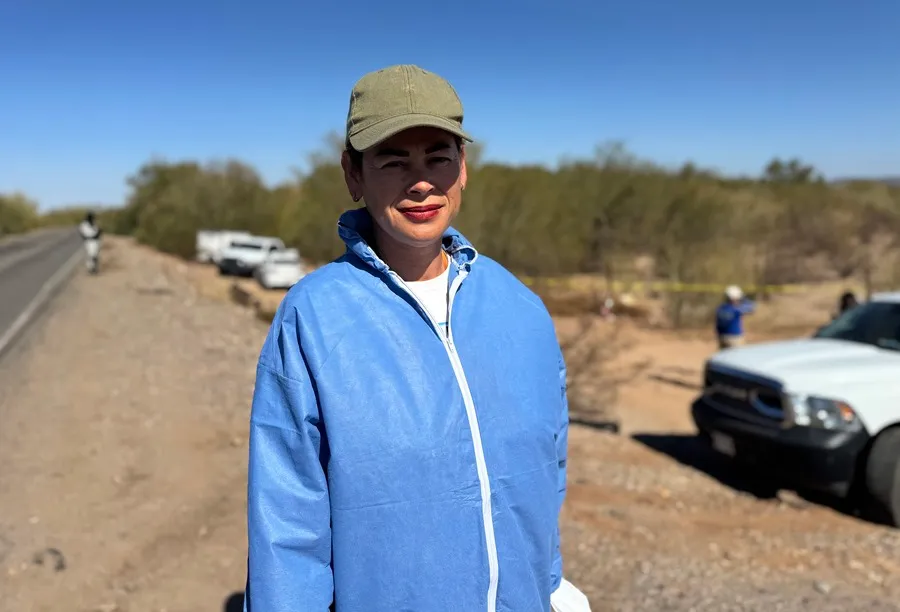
<point>412,185</point>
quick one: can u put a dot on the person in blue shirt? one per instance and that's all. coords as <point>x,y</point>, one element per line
<point>730,317</point>
<point>409,425</point>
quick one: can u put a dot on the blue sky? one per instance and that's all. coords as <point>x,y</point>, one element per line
<point>89,90</point>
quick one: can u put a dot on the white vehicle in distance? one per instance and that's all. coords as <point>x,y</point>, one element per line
<point>211,243</point>
<point>821,412</point>
<point>244,255</point>
<point>280,270</point>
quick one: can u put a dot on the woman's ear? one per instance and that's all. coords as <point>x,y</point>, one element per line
<point>351,177</point>
<point>463,171</point>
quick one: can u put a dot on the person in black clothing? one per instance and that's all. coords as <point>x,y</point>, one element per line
<point>847,302</point>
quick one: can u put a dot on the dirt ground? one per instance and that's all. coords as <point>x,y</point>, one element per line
<point>123,446</point>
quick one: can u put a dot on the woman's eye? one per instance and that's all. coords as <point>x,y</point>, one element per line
<point>440,160</point>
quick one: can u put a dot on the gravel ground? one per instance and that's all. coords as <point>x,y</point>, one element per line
<point>643,532</point>
<point>123,445</point>
<point>124,448</point>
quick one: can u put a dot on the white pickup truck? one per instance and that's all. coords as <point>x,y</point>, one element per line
<point>280,270</point>
<point>822,413</point>
<point>244,255</point>
<point>211,243</point>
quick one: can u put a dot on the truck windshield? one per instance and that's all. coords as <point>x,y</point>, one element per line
<point>875,323</point>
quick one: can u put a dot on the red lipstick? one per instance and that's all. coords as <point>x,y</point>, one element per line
<point>420,214</point>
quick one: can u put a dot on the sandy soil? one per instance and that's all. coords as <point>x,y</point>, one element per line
<point>124,448</point>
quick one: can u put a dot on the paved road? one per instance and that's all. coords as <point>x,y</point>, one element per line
<point>27,265</point>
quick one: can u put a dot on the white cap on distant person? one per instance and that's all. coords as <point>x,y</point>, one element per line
<point>733,292</point>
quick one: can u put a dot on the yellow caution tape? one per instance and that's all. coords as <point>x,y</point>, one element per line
<point>663,286</point>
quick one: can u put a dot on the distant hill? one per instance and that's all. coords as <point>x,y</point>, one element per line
<point>893,181</point>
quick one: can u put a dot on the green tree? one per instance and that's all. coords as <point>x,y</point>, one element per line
<point>604,216</point>
<point>18,213</point>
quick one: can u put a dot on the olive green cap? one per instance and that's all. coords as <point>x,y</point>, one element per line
<point>385,102</point>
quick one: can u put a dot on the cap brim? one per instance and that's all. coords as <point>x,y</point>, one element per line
<point>381,131</point>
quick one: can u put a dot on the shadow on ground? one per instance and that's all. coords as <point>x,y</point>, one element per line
<point>692,451</point>
<point>675,381</point>
<point>234,603</point>
<point>594,422</point>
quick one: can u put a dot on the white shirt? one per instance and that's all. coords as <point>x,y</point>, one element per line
<point>433,294</point>
<point>87,231</point>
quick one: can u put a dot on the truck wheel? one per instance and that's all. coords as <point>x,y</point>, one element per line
<point>883,475</point>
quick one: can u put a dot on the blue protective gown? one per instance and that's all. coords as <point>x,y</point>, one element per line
<point>395,468</point>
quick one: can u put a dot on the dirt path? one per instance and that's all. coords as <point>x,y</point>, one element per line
<point>123,445</point>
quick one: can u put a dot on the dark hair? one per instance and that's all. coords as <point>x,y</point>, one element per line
<point>848,301</point>
<point>356,156</point>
